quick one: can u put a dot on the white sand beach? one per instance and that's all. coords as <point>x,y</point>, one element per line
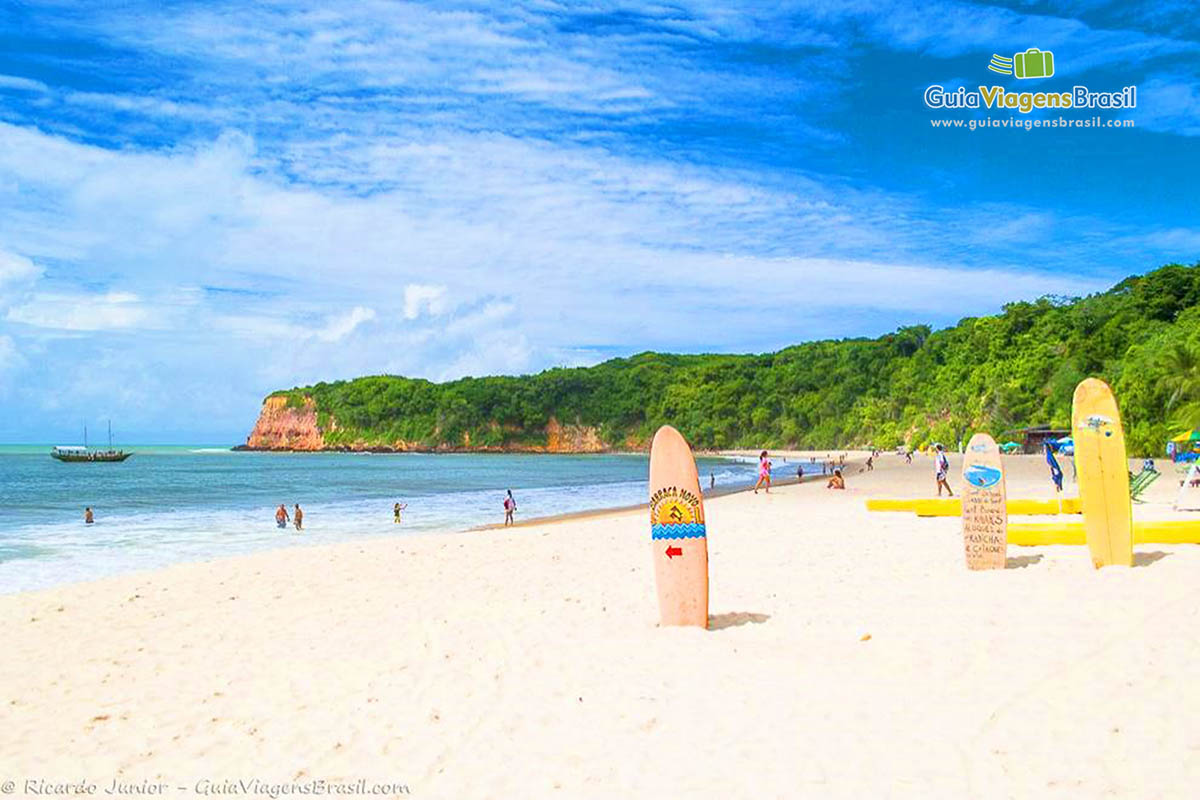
<point>850,654</point>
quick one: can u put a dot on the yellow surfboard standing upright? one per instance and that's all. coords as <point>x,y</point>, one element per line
<point>1103,472</point>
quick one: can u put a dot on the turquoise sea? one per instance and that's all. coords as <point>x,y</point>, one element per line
<point>174,504</point>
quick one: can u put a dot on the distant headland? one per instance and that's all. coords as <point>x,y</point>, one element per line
<point>908,388</point>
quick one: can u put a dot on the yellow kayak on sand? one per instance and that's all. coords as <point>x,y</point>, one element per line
<point>952,506</point>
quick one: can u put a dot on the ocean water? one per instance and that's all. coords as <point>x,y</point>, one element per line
<point>175,504</point>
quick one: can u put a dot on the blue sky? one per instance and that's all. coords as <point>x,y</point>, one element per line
<point>203,202</point>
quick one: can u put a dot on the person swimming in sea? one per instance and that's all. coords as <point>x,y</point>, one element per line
<point>281,517</point>
<point>88,516</point>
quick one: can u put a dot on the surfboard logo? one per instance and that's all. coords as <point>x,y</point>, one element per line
<point>982,476</point>
<point>673,506</point>
<point>979,448</point>
<point>676,514</point>
<point>1095,423</point>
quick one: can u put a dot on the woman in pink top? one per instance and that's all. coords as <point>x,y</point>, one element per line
<point>764,473</point>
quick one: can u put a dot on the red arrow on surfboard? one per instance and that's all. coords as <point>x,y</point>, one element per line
<point>674,551</point>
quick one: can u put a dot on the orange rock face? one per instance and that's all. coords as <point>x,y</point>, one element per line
<point>283,428</point>
<point>572,438</point>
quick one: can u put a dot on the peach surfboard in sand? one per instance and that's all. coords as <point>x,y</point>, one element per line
<point>678,538</point>
<point>984,505</point>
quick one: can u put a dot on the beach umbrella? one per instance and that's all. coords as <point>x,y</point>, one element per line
<point>1187,436</point>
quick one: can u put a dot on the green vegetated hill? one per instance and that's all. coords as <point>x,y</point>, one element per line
<point>912,387</point>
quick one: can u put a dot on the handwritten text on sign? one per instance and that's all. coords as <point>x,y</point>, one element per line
<point>985,521</point>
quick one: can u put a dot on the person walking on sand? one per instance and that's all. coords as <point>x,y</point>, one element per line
<point>281,517</point>
<point>298,518</point>
<point>510,506</point>
<point>764,473</point>
<point>870,463</point>
<point>396,509</point>
<point>942,469</point>
<point>88,516</point>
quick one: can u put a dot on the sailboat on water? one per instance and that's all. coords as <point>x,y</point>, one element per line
<point>75,453</point>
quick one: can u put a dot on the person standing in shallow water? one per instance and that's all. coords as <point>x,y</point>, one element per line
<point>396,509</point>
<point>510,507</point>
<point>298,518</point>
<point>88,517</point>
<point>281,517</point>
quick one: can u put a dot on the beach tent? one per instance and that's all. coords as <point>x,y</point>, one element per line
<point>1065,445</point>
<point>1188,498</point>
<point>1010,447</point>
<point>1185,444</point>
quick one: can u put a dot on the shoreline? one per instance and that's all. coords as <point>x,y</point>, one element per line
<point>708,494</point>
<point>282,546</point>
<point>533,451</point>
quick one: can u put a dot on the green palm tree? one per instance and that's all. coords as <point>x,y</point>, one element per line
<point>1182,365</point>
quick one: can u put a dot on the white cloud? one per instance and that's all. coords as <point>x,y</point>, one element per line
<point>341,327</point>
<point>110,311</point>
<point>1169,103</point>
<point>15,269</point>
<point>9,357</point>
<point>22,84</point>
<point>554,247</point>
<point>964,28</point>
<point>423,298</point>
<point>272,328</point>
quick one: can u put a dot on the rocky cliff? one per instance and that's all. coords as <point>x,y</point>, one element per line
<point>289,425</point>
<point>572,438</point>
<point>283,427</point>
